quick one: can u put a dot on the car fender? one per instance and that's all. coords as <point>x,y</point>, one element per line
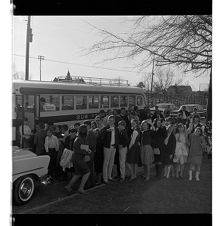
<point>26,162</point>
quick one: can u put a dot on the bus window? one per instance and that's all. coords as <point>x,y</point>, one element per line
<point>139,100</point>
<point>114,101</point>
<point>28,103</point>
<point>18,105</point>
<point>104,101</point>
<point>93,102</point>
<point>81,102</point>
<point>131,100</point>
<point>29,113</point>
<point>67,102</point>
<point>49,103</point>
<point>123,101</point>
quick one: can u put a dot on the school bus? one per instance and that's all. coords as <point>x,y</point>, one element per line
<point>65,102</point>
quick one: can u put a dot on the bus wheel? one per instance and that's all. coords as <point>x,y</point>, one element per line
<point>23,189</point>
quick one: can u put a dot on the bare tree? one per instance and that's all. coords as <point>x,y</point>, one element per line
<point>180,40</point>
<point>184,41</point>
<point>141,85</point>
<point>147,80</point>
<point>164,79</point>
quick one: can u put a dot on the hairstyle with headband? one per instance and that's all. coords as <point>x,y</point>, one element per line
<point>93,123</point>
<point>82,131</point>
<point>156,120</point>
<point>122,123</point>
<point>111,117</point>
<point>169,126</point>
<point>145,122</point>
<point>199,128</point>
<point>72,130</point>
<point>136,122</point>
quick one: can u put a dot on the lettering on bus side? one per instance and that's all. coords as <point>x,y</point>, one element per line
<point>85,116</point>
<point>76,117</point>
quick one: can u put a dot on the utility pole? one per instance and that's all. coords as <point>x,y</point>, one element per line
<point>40,58</point>
<point>29,37</point>
<point>152,76</point>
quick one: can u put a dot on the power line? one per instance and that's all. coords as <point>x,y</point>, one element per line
<point>83,65</point>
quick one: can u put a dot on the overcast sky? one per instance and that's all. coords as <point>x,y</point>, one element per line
<point>63,38</point>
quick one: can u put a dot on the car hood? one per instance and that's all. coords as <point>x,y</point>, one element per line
<point>22,153</point>
<point>175,111</point>
<point>160,109</point>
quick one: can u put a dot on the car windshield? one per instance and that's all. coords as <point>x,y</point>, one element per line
<point>171,106</point>
<point>191,107</point>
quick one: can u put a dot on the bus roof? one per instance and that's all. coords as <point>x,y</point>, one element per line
<point>48,87</point>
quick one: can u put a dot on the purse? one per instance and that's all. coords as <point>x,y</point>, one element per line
<point>87,158</point>
<point>156,151</point>
<point>175,159</point>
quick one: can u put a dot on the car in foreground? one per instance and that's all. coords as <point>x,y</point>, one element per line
<point>190,108</point>
<point>164,107</point>
<point>28,169</point>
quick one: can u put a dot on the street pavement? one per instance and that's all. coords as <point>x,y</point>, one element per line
<point>138,197</point>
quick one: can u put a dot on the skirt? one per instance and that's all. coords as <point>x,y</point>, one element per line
<point>98,160</point>
<point>147,156</point>
<point>52,164</point>
<point>195,160</point>
<point>181,159</point>
<point>80,167</point>
<point>133,156</point>
<point>181,153</point>
<point>168,159</point>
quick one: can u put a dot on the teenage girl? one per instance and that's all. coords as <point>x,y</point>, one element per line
<point>147,156</point>
<point>196,141</point>
<point>181,152</point>
<point>133,153</point>
<point>170,145</point>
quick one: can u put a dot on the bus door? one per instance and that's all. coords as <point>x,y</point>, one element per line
<point>29,110</point>
<point>17,118</point>
<point>30,113</point>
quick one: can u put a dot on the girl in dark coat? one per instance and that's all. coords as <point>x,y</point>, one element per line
<point>133,153</point>
<point>147,156</point>
<point>158,145</point>
<point>81,148</point>
<point>195,153</point>
<point>170,145</point>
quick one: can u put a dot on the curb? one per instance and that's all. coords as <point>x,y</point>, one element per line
<point>59,200</point>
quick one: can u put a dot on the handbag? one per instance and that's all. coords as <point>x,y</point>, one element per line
<point>156,151</point>
<point>87,158</point>
<point>175,159</point>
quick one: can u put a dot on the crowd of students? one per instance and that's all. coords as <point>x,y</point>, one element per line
<point>128,139</point>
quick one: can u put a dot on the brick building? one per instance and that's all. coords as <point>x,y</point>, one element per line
<point>179,90</point>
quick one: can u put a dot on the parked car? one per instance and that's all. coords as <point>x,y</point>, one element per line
<point>190,108</point>
<point>164,107</point>
<point>28,169</point>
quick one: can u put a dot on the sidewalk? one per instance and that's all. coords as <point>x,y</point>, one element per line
<point>155,196</point>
